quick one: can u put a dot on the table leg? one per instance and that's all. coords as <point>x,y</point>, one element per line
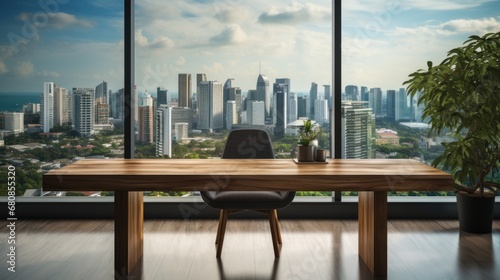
<point>129,234</point>
<point>372,238</point>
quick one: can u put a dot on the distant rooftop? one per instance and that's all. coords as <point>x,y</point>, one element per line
<point>416,125</point>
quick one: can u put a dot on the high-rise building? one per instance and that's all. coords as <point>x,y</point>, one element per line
<point>117,104</point>
<point>313,95</point>
<point>47,106</point>
<point>145,125</point>
<point>376,101</point>
<point>392,105</point>
<point>365,94</point>
<point>231,114</point>
<point>321,111</point>
<point>235,95</point>
<point>210,105</point>
<point>32,108</point>
<point>403,112</point>
<point>200,78</point>
<point>184,90</point>
<point>292,108</point>
<point>163,133</point>
<point>328,95</point>
<point>62,106</point>
<point>162,96</point>
<point>264,95</point>
<point>83,111</point>
<point>255,113</point>
<point>358,130</point>
<point>302,107</point>
<point>225,97</point>
<point>351,93</point>
<point>181,131</point>
<point>101,93</point>
<point>280,93</point>
<point>14,122</point>
<point>182,115</point>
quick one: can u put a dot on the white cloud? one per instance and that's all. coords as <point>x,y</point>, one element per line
<point>58,20</point>
<point>232,34</point>
<point>457,26</point>
<point>160,42</point>
<point>392,6</point>
<point>24,68</point>
<point>296,13</point>
<point>233,14</point>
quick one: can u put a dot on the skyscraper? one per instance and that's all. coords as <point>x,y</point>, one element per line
<point>313,95</point>
<point>231,114</point>
<point>358,125</point>
<point>14,122</point>
<point>101,93</point>
<point>83,111</point>
<point>351,93</point>
<point>184,90</point>
<point>210,105</point>
<point>101,104</point>
<point>376,101</point>
<point>264,95</point>
<point>392,105</point>
<point>47,106</point>
<point>328,95</point>
<point>280,92</point>
<point>163,129</point>
<point>255,113</point>
<point>62,106</point>
<point>302,107</point>
<point>117,105</point>
<point>145,124</point>
<point>321,111</point>
<point>292,108</point>
<point>163,98</point>
<point>225,97</point>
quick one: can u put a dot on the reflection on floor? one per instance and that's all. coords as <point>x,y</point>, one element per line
<point>312,249</point>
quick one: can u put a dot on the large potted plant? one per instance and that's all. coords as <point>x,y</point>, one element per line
<point>461,96</point>
<point>308,137</point>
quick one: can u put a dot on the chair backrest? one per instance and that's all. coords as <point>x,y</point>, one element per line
<point>248,143</point>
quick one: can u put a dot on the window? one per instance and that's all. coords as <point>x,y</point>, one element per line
<point>61,87</point>
<point>382,43</point>
<point>206,67</point>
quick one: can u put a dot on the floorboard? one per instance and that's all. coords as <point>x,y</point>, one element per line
<point>312,249</point>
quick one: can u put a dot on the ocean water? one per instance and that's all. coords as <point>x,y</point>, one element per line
<point>13,102</point>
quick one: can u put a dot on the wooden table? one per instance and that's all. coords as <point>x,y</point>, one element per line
<point>372,178</point>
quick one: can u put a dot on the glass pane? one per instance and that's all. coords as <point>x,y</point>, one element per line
<point>382,43</point>
<point>204,68</point>
<point>61,80</point>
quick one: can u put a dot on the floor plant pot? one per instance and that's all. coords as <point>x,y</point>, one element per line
<point>306,154</point>
<point>475,213</point>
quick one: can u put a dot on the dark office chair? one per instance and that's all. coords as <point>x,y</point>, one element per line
<point>248,144</point>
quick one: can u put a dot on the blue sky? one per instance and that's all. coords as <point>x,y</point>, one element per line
<point>80,43</point>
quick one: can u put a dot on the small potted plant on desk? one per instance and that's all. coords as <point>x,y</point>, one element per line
<point>462,95</point>
<point>308,137</point>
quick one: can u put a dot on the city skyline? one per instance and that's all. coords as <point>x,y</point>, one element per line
<point>79,43</point>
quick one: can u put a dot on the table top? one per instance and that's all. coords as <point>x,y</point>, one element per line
<point>247,174</point>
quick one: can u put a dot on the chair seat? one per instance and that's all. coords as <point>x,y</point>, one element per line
<point>247,199</point>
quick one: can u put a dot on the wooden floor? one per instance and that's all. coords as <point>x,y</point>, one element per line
<point>312,249</point>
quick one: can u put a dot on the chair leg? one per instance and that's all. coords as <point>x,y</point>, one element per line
<point>278,229</point>
<point>222,232</point>
<point>274,233</point>
<point>221,214</point>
